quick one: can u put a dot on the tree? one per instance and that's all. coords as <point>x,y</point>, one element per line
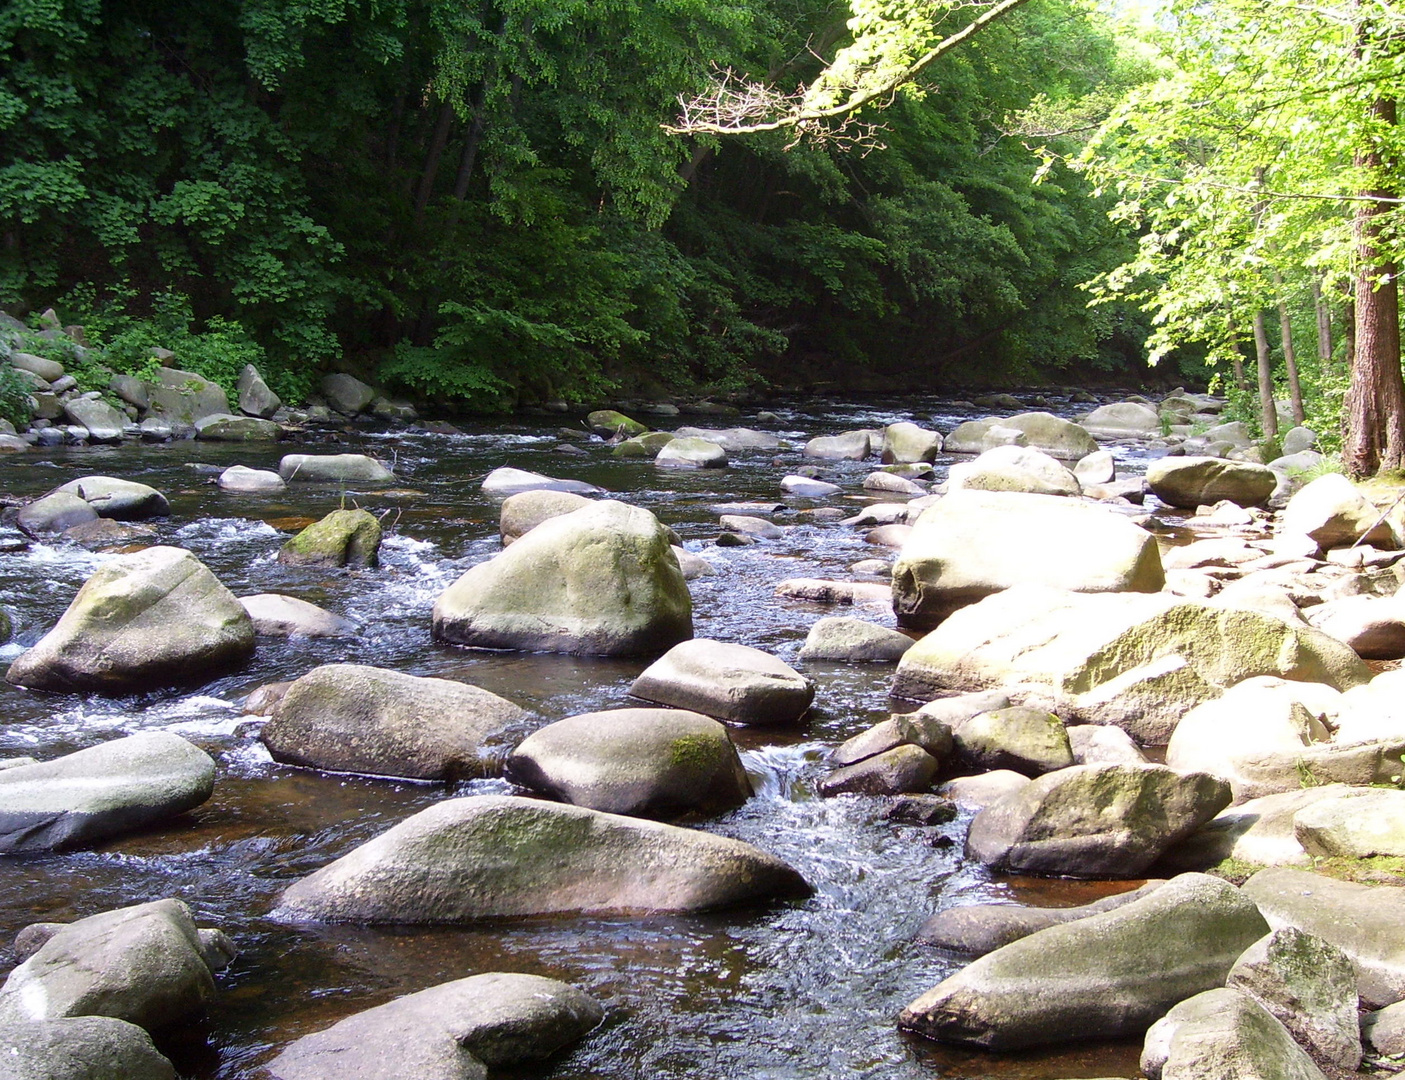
<point>1255,165</point>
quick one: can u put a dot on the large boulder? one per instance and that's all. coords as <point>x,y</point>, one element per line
<point>148,965</point>
<point>183,397</point>
<point>729,681</point>
<point>151,619</point>
<point>122,500</point>
<point>611,423</point>
<point>844,638</point>
<point>255,398</point>
<point>360,719</point>
<point>1310,986</point>
<point>1223,1034</point>
<point>1358,823</point>
<point>1123,420</point>
<point>106,790</point>
<point>346,393</point>
<point>978,436</point>
<point>1013,468</point>
<point>903,769</point>
<point>905,443</point>
<point>497,856</point>
<point>523,512</point>
<point>732,440</point>
<point>1367,922</point>
<point>1028,741</point>
<point>448,1032</point>
<point>657,763</point>
<point>246,481</point>
<point>975,543</point>
<point>334,469</point>
<point>1333,511</point>
<point>1373,626</point>
<point>691,454</point>
<point>1094,820</point>
<point>102,422</point>
<point>1203,481</point>
<point>80,1048</point>
<point>350,538</point>
<point>1137,661</point>
<point>1258,832</point>
<point>1108,976</point>
<point>1265,735</point>
<point>228,427</point>
<point>1057,437</point>
<point>600,581</point>
<point>505,481</point>
<point>850,446</point>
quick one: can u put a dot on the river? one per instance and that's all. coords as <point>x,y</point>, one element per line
<point>806,991</point>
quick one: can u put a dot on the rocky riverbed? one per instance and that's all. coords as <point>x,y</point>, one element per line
<point>772,905</point>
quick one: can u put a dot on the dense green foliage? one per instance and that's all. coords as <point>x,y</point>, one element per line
<point>476,199</point>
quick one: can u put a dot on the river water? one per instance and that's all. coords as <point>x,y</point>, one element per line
<point>809,990</point>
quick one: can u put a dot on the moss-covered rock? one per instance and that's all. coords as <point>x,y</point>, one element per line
<point>1104,977</point>
<point>1137,661</point>
<point>609,423</point>
<point>600,581</point>
<point>343,538</point>
<point>362,719</point>
<point>156,618</point>
<point>494,857</point>
<point>974,543</point>
<point>658,763</point>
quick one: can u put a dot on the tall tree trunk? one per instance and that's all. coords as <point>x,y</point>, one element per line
<point>1236,360</point>
<point>1374,438</point>
<point>431,162</point>
<point>1290,357</point>
<point>1324,324</point>
<point>1268,410</point>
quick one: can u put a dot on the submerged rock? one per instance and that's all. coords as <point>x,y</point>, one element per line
<point>493,857</point>
<point>977,929</point>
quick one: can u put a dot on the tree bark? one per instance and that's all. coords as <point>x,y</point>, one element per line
<point>1268,411</point>
<point>1324,324</point>
<point>1290,357</point>
<point>1374,436</point>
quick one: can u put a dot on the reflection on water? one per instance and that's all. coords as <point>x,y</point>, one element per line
<point>805,991</point>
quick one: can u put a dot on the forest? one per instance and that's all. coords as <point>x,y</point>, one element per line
<point>515,201</point>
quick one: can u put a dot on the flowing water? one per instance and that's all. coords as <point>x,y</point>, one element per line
<point>809,990</point>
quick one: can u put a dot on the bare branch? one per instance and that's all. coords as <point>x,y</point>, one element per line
<point>733,105</point>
